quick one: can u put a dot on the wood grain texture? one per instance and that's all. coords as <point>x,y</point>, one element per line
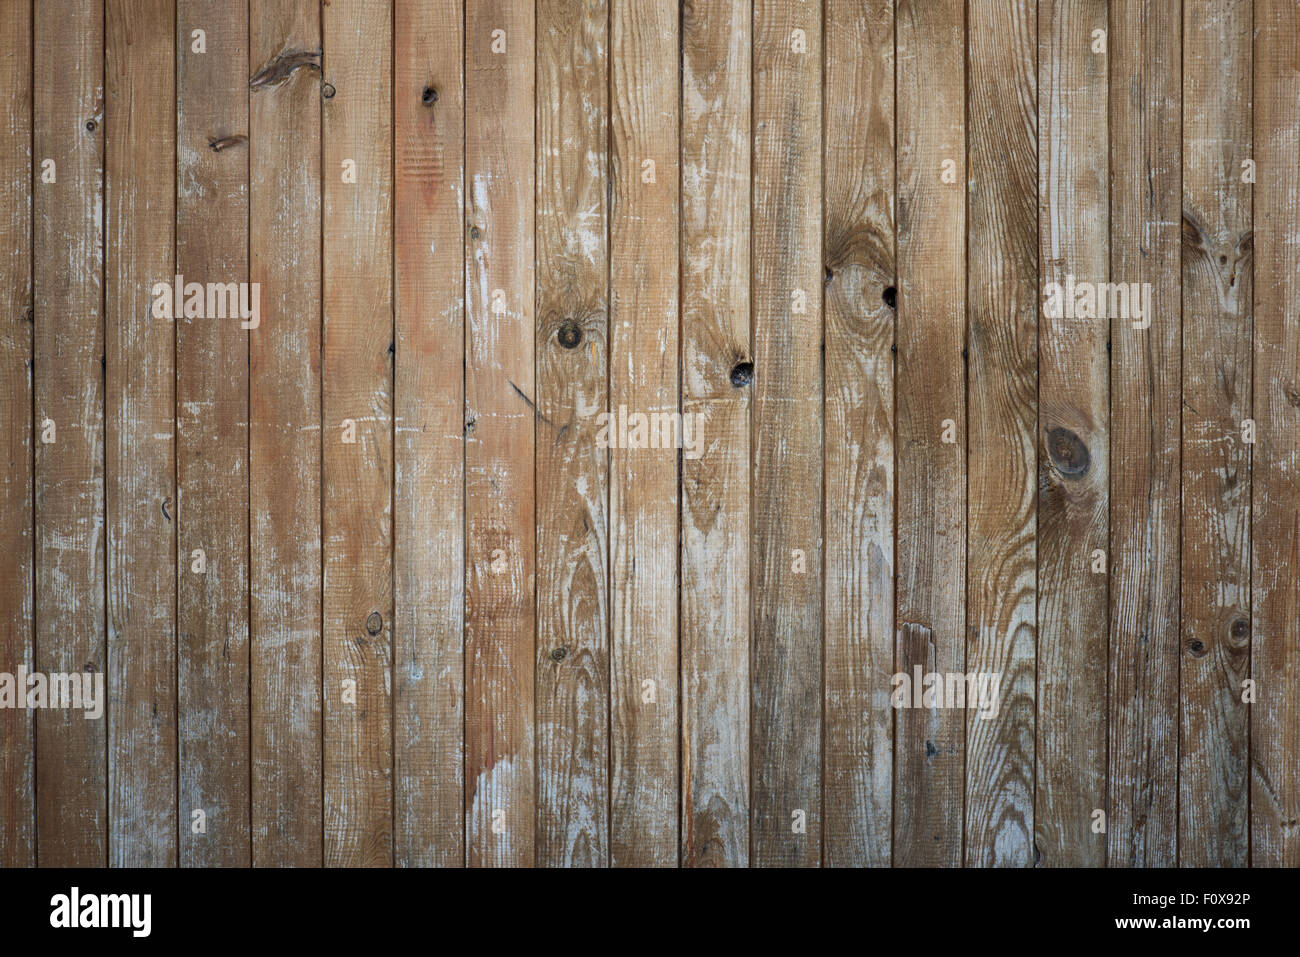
<point>1073,414</point>
<point>17,525</point>
<point>644,333</point>
<point>68,254</point>
<point>140,462</point>
<point>787,283</point>
<point>357,385</point>
<point>573,700</point>
<point>715,340</point>
<point>1275,538</point>
<point>500,278</point>
<point>1145,158</point>
<point>212,437</point>
<point>929,769</point>
<point>285,434</point>
<point>1002,283</point>
<point>859,432</point>
<point>1217,272</point>
<point>429,433</point>
<point>638,388</point>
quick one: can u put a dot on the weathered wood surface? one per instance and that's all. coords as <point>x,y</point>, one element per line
<point>641,394</point>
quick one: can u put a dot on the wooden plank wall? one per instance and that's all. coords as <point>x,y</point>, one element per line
<point>637,400</point>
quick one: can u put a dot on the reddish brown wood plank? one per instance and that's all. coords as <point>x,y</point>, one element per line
<point>212,434</point>
<point>429,436</point>
<point>140,464</point>
<point>285,433</point>
<point>500,614</point>
<point>357,440</point>
<point>17,526</point>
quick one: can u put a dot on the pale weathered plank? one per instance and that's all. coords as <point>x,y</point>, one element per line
<point>1275,587</point>
<point>285,433</point>
<point>644,373</point>
<point>859,424</point>
<point>212,435</point>
<point>573,796</point>
<point>17,559</point>
<point>1073,442</point>
<point>499,451</point>
<point>357,441</point>
<point>931,408</point>
<point>429,433</point>
<point>1145,95</point>
<point>717,372</point>
<point>1002,280</point>
<point>140,464</point>
<point>1216,277</point>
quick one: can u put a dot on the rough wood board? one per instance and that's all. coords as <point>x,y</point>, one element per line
<point>429,433</point>
<point>17,526</point>
<point>1217,278</point>
<point>212,437</point>
<point>1073,440</point>
<point>715,344</point>
<point>573,604</point>
<point>357,387</point>
<point>929,768</point>
<point>1145,157</point>
<point>644,749</point>
<point>285,434</point>
<point>140,464</point>
<point>860,453</point>
<point>500,408</point>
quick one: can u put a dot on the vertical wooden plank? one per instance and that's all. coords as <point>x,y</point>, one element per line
<point>786,814</point>
<point>1073,444</point>
<point>429,433</point>
<point>140,464</point>
<point>1217,279</point>
<point>1146,87</point>
<point>1002,409</point>
<point>212,433</point>
<point>860,282</point>
<point>717,370</point>
<point>572,529</point>
<point>68,243</point>
<point>285,432</point>
<point>644,78</point>
<point>357,444</point>
<point>1275,592</point>
<point>499,449</point>
<point>930,385</point>
<point>17,559</point>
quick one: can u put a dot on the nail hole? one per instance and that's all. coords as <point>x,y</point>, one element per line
<point>743,374</point>
<point>570,334</point>
<point>890,295</point>
<point>90,126</point>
